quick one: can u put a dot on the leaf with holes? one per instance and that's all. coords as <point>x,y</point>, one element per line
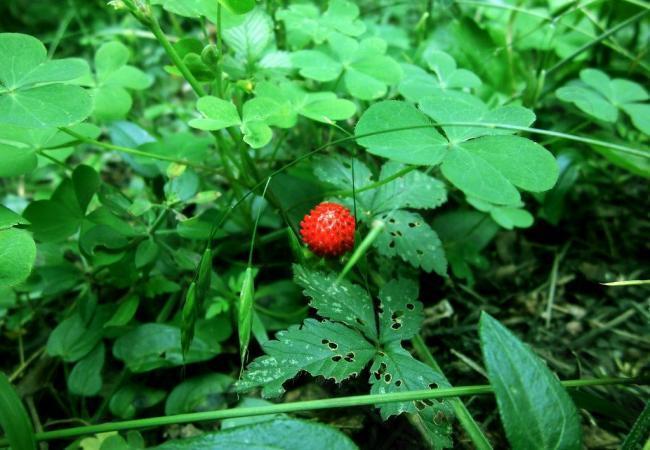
<point>408,236</point>
<point>395,370</point>
<point>411,190</point>
<point>400,311</point>
<point>341,300</point>
<point>33,92</point>
<point>327,349</point>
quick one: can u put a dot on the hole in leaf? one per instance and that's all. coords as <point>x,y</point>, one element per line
<point>333,345</point>
<point>419,252</point>
<point>360,322</point>
<point>325,341</point>
<point>410,306</point>
<point>433,386</point>
<point>391,244</point>
<point>397,315</point>
<point>399,233</point>
<point>439,418</point>
<point>413,224</point>
<point>387,378</point>
<point>420,405</point>
<point>382,369</point>
<point>336,358</point>
<point>398,383</point>
<point>391,220</point>
<point>382,354</point>
<point>396,326</point>
<point>377,376</point>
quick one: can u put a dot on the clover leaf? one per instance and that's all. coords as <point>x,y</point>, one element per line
<point>33,92</point>
<point>323,107</point>
<point>305,23</point>
<point>484,162</point>
<point>113,80</point>
<point>599,96</point>
<point>418,83</point>
<point>257,114</point>
<point>508,217</point>
<point>366,69</point>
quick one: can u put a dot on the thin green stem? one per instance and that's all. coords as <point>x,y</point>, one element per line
<point>154,26</point>
<point>375,229</point>
<point>596,40</point>
<point>133,151</point>
<point>310,405</point>
<point>465,418</point>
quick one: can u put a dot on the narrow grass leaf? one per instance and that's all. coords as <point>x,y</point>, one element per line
<point>14,419</point>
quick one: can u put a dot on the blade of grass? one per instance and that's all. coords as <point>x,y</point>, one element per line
<point>14,419</point>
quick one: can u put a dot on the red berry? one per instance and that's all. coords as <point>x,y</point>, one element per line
<point>328,229</point>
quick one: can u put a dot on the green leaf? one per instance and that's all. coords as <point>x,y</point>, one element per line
<point>395,370</point>
<point>327,349</point>
<point>417,83</point>
<point>408,236</point>
<point>131,399</point>
<point>367,71</point>
<point>58,218</point>
<point>589,101</point>
<point>305,23</point>
<point>125,312</point>
<point>341,301</point>
<point>507,216</point>
<point>8,218</point>
<point>491,167</point>
<point>190,8</point>
<point>323,107</point>
<point>238,6</point>
<point>279,434</point>
<point>31,89</point>
<point>451,106</point>
<point>14,419</point>
<point>601,97</point>
<point>251,38</point>
<point>72,339</point>
<point>526,390</point>
<point>400,315</point>
<point>412,190</point>
<point>420,145</point>
<point>16,161</point>
<point>86,376</point>
<point>219,114</point>
<point>17,256</point>
<point>198,394</point>
<point>154,345</point>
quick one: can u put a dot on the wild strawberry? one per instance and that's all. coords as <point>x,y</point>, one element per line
<point>328,229</point>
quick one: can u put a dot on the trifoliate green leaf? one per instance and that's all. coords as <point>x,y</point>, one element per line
<point>327,349</point>
<point>17,256</point>
<point>305,23</point>
<point>366,70</point>
<point>32,89</point>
